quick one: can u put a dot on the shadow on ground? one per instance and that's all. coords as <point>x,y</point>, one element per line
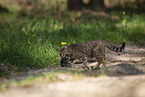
<point>122,69</point>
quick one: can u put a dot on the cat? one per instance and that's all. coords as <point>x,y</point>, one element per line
<point>83,51</point>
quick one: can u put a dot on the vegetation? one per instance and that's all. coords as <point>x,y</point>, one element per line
<point>31,41</point>
<point>47,77</point>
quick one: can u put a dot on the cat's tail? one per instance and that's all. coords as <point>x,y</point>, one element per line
<point>114,48</point>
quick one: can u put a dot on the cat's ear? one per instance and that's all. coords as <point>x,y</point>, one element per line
<point>65,46</point>
<point>59,49</point>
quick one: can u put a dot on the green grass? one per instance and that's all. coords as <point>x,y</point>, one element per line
<point>47,77</point>
<point>32,42</point>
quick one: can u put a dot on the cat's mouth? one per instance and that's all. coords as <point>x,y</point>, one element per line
<point>66,63</point>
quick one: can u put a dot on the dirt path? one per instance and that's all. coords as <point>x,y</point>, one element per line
<point>123,77</point>
<point>129,86</point>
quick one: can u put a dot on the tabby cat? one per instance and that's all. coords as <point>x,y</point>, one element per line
<point>83,51</point>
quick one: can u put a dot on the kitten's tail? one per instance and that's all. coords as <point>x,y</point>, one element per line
<point>115,48</point>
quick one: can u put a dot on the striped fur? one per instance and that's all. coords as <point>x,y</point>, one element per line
<point>90,49</point>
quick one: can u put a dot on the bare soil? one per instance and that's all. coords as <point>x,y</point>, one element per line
<point>123,77</point>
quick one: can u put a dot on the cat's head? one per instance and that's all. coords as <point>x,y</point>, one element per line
<point>65,56</point>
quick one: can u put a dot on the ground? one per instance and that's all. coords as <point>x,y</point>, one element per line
<point>123,77</point>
